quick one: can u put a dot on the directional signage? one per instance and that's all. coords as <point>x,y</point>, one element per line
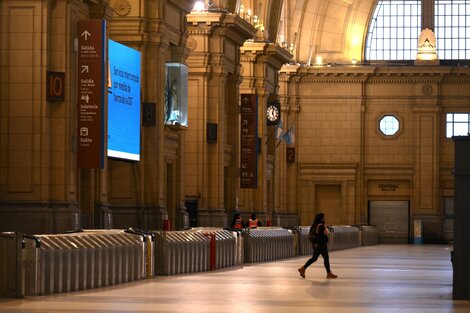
<point>249,140</point>
<point>90,96</point>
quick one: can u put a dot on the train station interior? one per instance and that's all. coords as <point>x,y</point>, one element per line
<point>164,116</point>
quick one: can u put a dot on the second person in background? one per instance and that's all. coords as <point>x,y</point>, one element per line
<point>253,222</point>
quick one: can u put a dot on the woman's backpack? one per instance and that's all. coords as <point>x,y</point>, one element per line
<point>312,235</point>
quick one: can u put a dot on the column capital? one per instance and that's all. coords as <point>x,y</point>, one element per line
<point>265,52</point>
<point>223,24</point>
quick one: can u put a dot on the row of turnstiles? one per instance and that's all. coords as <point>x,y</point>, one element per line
<point>85,259</point>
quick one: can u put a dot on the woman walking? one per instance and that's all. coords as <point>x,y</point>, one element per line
<point>318,235</point>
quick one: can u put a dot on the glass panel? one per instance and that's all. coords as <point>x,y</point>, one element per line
<point>449,132</point>
<point>460,117</point>
<point>450,28</point>
<point>398,20</point>
<point>386,20</point>
<point>448,32</point>
<point>385,9</point>
<point>449,117</point>
<point>462,54</point>
<point>460,129</point>
<point>389,125</point>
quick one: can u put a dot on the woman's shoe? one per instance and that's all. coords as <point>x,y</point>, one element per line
<point>302,272</point>
<point>331,276</point>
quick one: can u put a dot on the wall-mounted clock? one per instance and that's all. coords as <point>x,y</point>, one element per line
<point>273,113</point>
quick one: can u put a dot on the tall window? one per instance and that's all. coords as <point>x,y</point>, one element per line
<point>394,30</point>
<point>452,28</point>
<point>457,124</point>
<point>396,25</point>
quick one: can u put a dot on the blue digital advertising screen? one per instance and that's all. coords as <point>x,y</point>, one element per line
<point>123,102</point>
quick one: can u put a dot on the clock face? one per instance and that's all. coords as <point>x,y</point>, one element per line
<point>272,113</point>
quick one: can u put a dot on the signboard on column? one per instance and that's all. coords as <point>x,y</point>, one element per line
<point>249,140</point>
<point>90,93</point>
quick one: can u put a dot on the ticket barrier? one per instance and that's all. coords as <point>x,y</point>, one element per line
<point>82,260</point>
<point>11,272</point>
<point>343,237</point>
<point>196,250</point>
<point>268,243</point>
<point>369,235</point>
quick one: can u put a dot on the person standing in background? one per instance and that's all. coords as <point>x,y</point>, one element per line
<point>237,222</point>
<point>253,222</point>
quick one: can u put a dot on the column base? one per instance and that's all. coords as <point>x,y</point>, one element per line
<point>150,218</point>
<point>212,218</point>
<point>182,218</point>
<point>285,219</point>
<point>39,217</point>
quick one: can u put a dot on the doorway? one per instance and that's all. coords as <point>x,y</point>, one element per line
<point>191,208</point>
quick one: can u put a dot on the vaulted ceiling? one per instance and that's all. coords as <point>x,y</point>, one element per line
<point>333,29</point>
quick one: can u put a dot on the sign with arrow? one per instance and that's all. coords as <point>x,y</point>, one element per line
<point>90,93</point>
<point>249,142</point>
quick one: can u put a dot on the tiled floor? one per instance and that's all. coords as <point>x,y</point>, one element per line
<point>379,279</point>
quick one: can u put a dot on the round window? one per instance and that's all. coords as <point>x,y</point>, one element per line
<point>389,125</point>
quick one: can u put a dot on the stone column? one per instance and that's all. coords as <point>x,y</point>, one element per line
<point>427,14</point>
<point>102,216</point>
<point>140,191</point>
<point>261,62</point>
<point>215,39</point>
<point>425,203</point>
<point>286,186</point>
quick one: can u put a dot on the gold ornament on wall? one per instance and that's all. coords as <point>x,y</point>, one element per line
<point>191,44</point>
<point>122,7</point>
<point>427,89</point>
<point>427,48</point>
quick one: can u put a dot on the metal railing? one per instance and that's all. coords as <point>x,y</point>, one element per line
<point>196,250</point>
<point>369,235</point>
<point>268,243</point>
<point>83,260</point>
<point>343,237</point>
<point>43,264</point>
<point>340,237</point>
<point>181,252</point>
<point>11,271</point>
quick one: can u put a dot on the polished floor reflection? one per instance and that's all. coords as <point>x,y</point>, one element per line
<point>379,279</point>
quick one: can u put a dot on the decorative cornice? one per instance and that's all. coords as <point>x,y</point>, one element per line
<point>374,74</point>
<point>222,24</point>
<point>265,52</point>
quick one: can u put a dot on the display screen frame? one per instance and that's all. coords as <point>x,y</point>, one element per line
<point>124,102</point>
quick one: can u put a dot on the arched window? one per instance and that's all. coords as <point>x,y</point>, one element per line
<point>452,28</point>
<point>396,25</point>
<point>394,30</point>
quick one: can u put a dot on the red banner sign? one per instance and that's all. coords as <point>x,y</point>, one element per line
<point>90,152</point>
<point>249,141</point>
